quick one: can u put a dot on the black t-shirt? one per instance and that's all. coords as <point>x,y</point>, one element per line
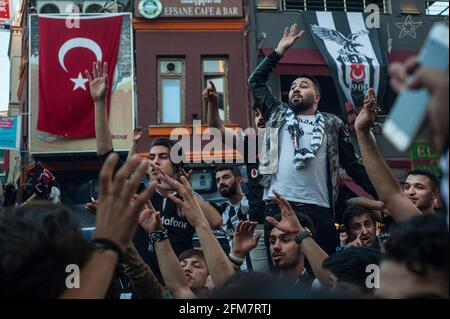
<point>255,190</point>
<point>180,232</point>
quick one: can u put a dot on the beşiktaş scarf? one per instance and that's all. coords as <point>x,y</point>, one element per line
<point>296,132</point>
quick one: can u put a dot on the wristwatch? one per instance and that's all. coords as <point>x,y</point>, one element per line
<point>306,233</point>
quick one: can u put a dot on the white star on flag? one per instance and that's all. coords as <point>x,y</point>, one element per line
<point>80,82</point>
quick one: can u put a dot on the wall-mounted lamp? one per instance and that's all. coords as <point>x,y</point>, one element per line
<point>267,4</point>
<point>410,11</point>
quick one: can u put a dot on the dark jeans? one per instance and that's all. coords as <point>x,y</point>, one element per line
<point>325,235</point>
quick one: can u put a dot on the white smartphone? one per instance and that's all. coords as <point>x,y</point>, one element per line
<point>410,108</point>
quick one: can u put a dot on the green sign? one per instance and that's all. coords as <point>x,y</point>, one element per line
<point>424,157</point>
<point>421,150</point>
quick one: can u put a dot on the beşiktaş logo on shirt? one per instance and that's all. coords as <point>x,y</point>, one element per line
<point>173,222</point>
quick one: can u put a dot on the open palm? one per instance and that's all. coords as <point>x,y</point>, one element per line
<point>290,36</point>
<point>289,222</point>
<point>244,239</point>
<point>98,84</point>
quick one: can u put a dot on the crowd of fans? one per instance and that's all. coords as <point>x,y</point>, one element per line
<point>278,240</point>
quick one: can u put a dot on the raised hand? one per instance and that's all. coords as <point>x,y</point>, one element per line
<point>400,72</point>
<point>150,219</point>
<point>98,84</point>
<point>187,175</point>
<point>92,206</point>
<point>117,214</point>
<point>366,118</point>
<point>158,175</point>
<point>244,240</point>
<point>290,36</point>
<point>357,242</point>
<point>210,94</point>
<point>188,204</point>
<point>289,222</point>
<point>137,134</point>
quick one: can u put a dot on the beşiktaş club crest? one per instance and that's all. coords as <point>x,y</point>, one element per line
<point>353,54</point>
<point>352,60</point>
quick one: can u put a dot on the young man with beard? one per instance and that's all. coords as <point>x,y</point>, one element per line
<point>235,209</point>
<point>303,148</point>
<point>248,143</point>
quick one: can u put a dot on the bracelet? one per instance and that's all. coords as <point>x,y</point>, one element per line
<point>278,52</point>
<point>235,260</point>
<point>158,236</point>
<point>106,244</point>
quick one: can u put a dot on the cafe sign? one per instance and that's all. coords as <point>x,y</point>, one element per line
<point>152,9</point>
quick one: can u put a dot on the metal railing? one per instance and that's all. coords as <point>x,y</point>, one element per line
<point>333,5</point>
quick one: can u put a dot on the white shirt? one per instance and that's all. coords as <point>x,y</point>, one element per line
<point>307,185</point>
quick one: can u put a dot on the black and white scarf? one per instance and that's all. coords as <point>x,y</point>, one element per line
<point>296,132</point>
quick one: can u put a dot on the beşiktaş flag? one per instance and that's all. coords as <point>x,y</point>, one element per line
<point>66,107</point>
<point>355,55</point>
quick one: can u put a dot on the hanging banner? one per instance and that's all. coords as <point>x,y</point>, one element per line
<point>59,95</point>
<point>5,18</point>
<point>355,55</point>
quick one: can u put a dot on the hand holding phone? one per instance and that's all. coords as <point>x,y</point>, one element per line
<point>410,108</point>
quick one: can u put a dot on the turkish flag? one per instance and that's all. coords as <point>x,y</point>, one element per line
<point>66,49</point>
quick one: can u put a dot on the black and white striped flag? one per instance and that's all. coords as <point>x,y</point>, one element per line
<point>355,55</point>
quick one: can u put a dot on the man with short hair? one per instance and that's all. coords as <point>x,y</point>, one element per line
<point>348,270</point>
<point>180,232</point>
<point>194,265</point>
<point>303,147</point>
<point>360,227</point>
<point>287,256</point>
<point>422,189</point>
<point>255,192</point>
<point>416,262</point>
<point>233,210</point>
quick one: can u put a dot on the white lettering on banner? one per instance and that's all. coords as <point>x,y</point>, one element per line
<point>174,223</point>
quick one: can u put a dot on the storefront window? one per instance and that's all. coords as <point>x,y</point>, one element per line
<point>216,71</point>
<point>171,91</point>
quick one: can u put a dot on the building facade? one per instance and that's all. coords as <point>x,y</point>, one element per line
<point>179,50</point>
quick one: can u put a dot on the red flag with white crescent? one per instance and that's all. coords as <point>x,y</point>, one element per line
<point>65,51</point>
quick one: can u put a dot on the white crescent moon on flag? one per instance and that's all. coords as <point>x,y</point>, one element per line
<point>78,43</point>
